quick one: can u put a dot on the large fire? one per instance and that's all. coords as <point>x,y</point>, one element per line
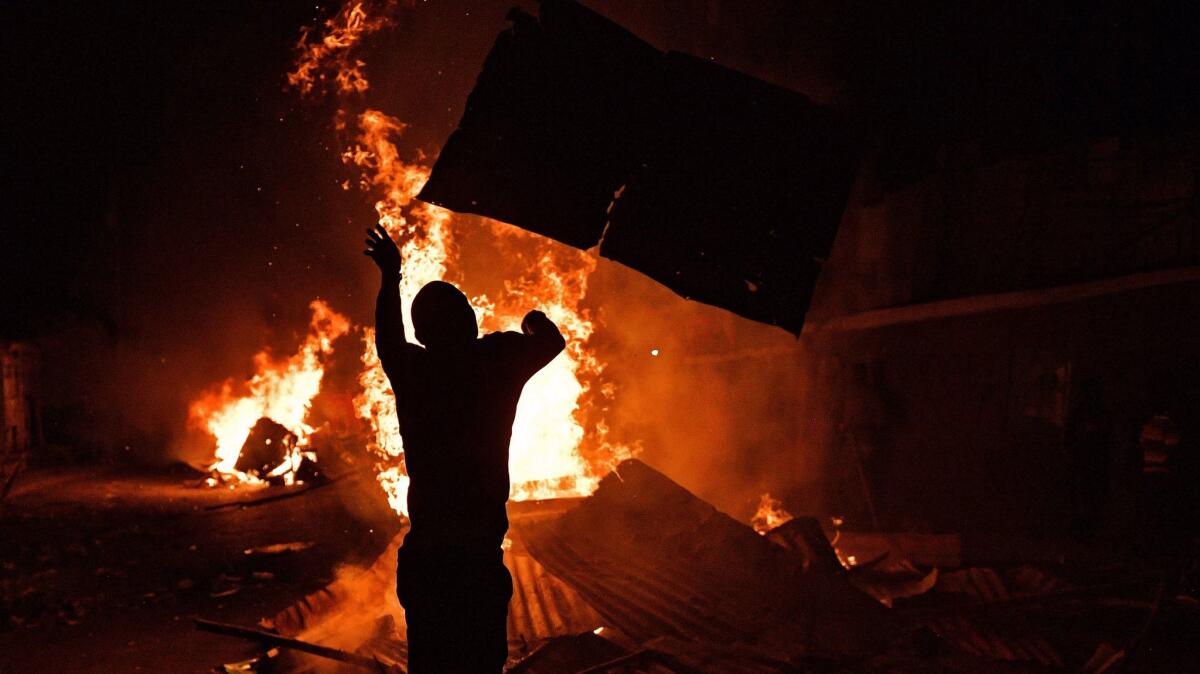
<point>281,390</point>
<point>545,458</point>
<point>556,449</point>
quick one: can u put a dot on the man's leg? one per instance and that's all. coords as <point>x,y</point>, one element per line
<point>487,609</point>
<point>456,609</point>
<point>421,587</point>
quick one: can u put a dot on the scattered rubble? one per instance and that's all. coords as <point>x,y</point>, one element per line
<point>268,444</point>
<point>655,561</point>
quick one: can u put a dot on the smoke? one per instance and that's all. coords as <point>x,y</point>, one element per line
<point>348,613</point>
<point>713,399</point>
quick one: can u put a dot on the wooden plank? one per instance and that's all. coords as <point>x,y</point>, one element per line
<point>271,639</point>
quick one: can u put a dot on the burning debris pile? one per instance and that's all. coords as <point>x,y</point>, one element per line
<point>560,441</point>
<point>268,415</point>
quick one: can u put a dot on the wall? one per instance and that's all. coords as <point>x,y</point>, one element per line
<point>956,412</point>
<point>1101,209</point>
<point>20,415</point>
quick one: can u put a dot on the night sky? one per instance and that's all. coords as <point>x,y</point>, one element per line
<point>119,111</point>
<point>155,146</point>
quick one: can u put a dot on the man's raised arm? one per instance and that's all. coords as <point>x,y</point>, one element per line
<point>389,316</point>
<point>545,339</point>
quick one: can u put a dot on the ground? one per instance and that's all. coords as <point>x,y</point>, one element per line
<point>104,569</point>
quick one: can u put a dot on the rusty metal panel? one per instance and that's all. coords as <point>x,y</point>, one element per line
<point>724,188</point>
<point>545,138</point>
<point>543,606</point>
<point>738,197</point>
<point>655,561</point>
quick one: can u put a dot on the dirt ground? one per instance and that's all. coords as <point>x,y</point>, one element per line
<point>104,570</point>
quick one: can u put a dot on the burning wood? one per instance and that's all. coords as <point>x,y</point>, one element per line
<point>275,640</point>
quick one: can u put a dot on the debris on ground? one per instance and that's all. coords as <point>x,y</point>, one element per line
<point>268,444</point>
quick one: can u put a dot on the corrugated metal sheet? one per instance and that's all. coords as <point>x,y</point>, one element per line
<point>542,605</point>
<point>675,583</point>
<point>655,561</point>
<point>982,635</point>
<point>978,631</point>
<point>987,630</point>
<point>724,188</point>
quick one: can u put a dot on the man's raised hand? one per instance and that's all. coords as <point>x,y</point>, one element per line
<point>383,251</point>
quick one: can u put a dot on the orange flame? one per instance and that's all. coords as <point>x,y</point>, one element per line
<point>771,514</point>
<point>281,390</point>
<point>552,453</point>
<point>319,59</point>
<point>545,453</point>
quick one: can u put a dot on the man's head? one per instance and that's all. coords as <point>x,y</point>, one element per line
<point>442,316</point>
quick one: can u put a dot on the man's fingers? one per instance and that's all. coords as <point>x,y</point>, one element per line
<point>376,249</point>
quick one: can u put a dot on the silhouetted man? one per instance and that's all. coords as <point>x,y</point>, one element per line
<point>456,400</point>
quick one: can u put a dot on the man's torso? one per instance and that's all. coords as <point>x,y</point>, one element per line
<point>456,411</point>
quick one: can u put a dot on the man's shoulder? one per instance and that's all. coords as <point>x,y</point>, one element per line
<point>503,345</point>
<point>492,339</point>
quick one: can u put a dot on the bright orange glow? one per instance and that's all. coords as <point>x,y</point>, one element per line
<point>281,390</point>
<point>555,450</point>
<point>545,458</point>
<point>552,452</point>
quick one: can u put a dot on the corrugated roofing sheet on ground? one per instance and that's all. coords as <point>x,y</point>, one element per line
<point>656,561</point>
